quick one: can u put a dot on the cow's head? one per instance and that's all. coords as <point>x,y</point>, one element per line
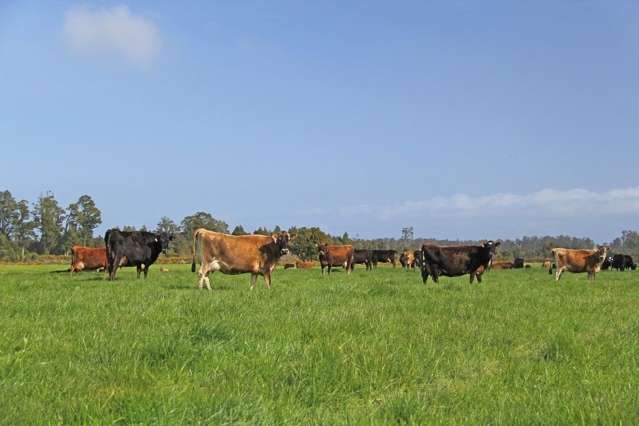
<point>321,249</point>
<point>164,239</point>
<point>491,246</point>
<point>281,241</point>
<point>602,252</point>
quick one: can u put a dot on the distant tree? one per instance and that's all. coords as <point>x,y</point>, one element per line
<point>277,229</point>
<point>23,227</point>
<point>49,218</point>
<point>166,225</point>
<point>128,228</point>
<point>8,213</point>
<point>306,240</point>
<point>239,230</point>
<point>203,220</point>
<point>345,239</point>
<point>262,230</point>
<point>88,218</point>
<point>143,228</point>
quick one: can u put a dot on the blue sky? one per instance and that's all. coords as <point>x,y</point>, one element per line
<point>464,119</point>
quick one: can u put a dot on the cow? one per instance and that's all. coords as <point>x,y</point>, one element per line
<point>336,255</point>
<point>88,258</point>
<point>630,264</point>
<point>502,264</point>
<point>134,248</point>
<point>575,260</point>
<point>417,256</point>
<point>621,262</point>
<point>384,256</point>
<point>546,264</point>
<point>304,264</point>
<point>607,263</point>
<point>362,257</point>
<point>518,263</point>
<point>407,259</point>
<point>453,261</point>
<point>237,254</point>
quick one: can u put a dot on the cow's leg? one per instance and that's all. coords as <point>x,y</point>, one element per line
<point>138,269</point>
<point>424,275</point>
<point>558,273</point>
<point>254,279</point>
<point>472,277</point>
<point>329,269</point>
<point>267,278</point>
<point>435,274</point>
<point>478,276</point>
<point>114,268</point>
<point>146,271</point>
<point>203,273</point>
<point>322,270</point>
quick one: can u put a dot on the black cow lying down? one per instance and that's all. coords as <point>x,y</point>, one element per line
<point>453,261</point>
<point>136,248</point>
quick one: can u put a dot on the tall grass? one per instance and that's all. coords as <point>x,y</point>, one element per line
<point>373,347</point>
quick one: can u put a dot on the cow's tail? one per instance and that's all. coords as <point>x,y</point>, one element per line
<point>196,235</point>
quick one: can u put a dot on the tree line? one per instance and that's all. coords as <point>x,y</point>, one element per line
<point>28,230</point>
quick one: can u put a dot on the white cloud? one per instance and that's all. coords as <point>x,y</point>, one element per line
<point>543,203</point>
<point>112,31</point>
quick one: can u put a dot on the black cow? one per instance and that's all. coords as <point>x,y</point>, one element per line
<point>518,263</point>
<point>453,261</point>
<point>363,257</point>
<point>418,259</point>
<point>621,262</point>
<point>136,248</point>
<point>384,256</point>
<point>630,264</point>
<point>607,263</point>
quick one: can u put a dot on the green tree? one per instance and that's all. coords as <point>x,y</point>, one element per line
<point>203,220</point>
<point>166,225</point>
<point>49,218</point>
<point>239,230</point>
<point>88,218</point>
<point>23,227</point>
<point>306,240</point>
<point>262,230</point>
<point>8,213</point>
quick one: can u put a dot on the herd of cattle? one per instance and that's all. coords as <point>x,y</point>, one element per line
<point>259,254</point>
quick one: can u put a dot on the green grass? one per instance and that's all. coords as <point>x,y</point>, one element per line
<point>374,347</point>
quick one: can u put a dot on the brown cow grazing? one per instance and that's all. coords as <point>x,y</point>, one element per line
<point>453,261</point>
<point>573,260</point>
<point>546,264</point>
<point>88,258</point>
<point>238,254</point>
<point>304,264</point>
<point>336,255</point>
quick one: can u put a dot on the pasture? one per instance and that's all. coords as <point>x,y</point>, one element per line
<point>374,347</point>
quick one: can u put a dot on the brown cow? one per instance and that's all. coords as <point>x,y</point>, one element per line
<point>572,260</point>
<point>501,264</point>
<point>88,258</point>
<point>238,254</point>
<point>336,255</point>
<point>546,264</point>
<point>407,259</point>
<point>304,264</point>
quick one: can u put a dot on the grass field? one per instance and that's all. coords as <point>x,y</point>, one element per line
<point>374,347</point>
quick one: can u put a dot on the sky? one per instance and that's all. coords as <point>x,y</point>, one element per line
<point>463,119</point>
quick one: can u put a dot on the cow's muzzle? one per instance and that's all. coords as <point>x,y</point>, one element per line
<point>284,251</point>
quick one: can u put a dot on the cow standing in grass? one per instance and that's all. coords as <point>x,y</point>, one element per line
<point>336,255</point>
<point>237,254</point>
<point>135,248</point>
<point>575,260</point>
<point>453,261</point>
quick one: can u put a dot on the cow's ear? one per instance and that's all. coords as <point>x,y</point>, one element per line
<point>274,236</point>
<point>498,243</point>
